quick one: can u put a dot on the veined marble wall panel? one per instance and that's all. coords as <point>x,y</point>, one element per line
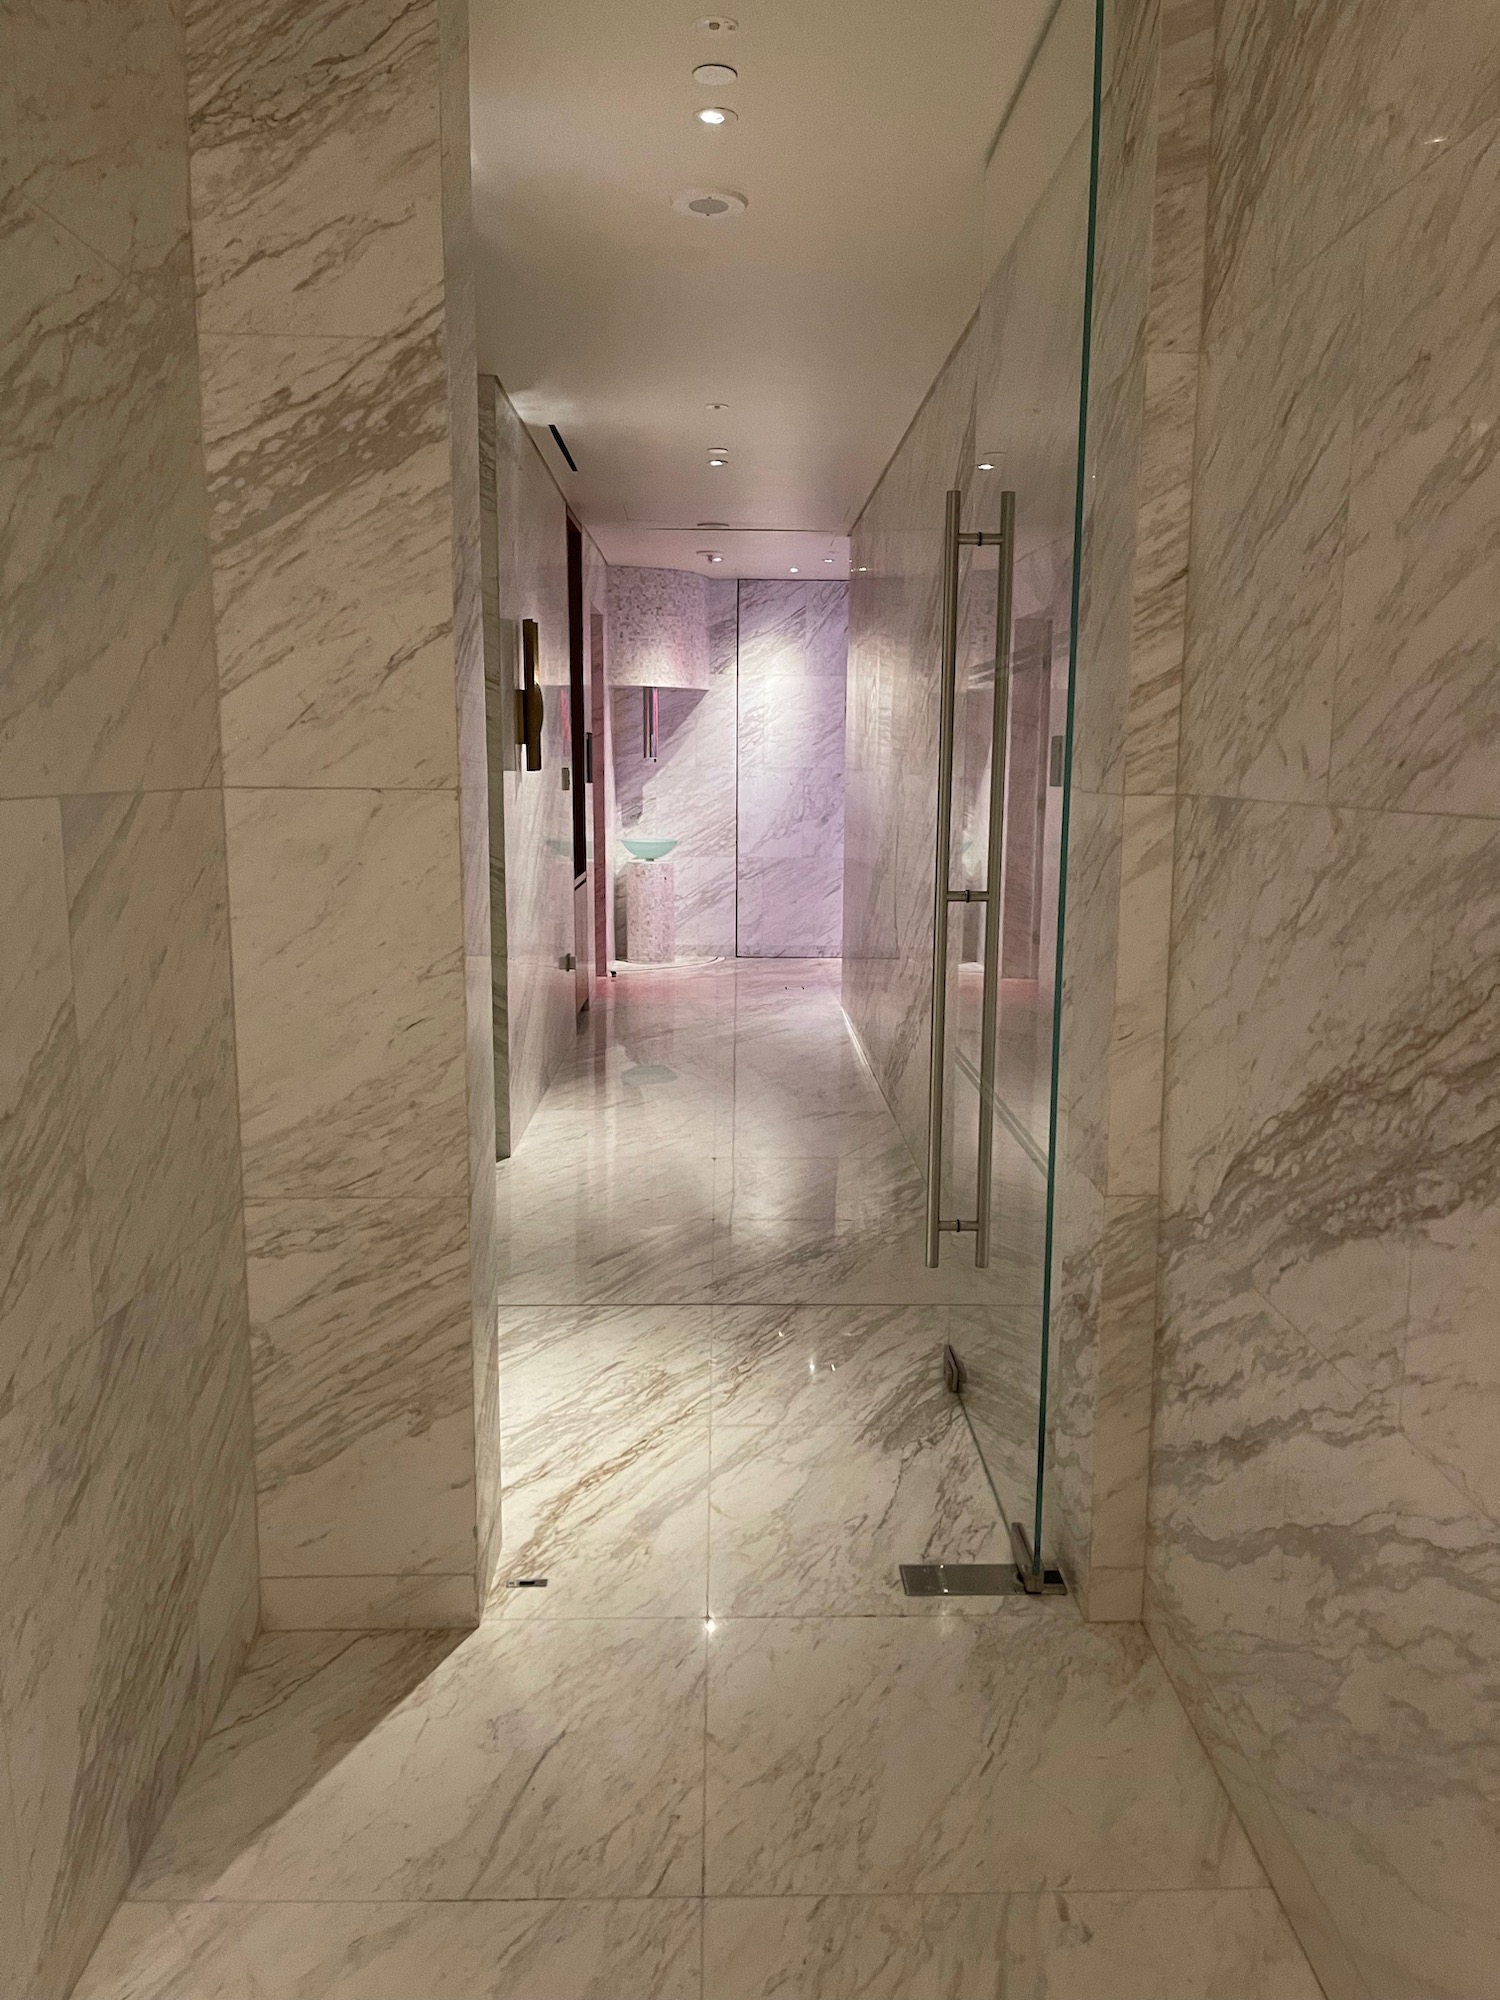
<point>1323,1580</point>
<point>688,794</point>
<point>127,1533</point>
<point>793,665</point>
<point>335,306</point>
<point>532,871</point>
<point>1141,416</point>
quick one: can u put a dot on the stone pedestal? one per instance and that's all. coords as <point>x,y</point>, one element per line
<point>650,912</point>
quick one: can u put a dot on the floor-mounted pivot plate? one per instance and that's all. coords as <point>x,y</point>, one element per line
<point>960,1580</point>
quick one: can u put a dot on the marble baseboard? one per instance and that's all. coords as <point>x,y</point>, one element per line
<point>417,1603</point>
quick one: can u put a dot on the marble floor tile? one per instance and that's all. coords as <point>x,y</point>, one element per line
<point>1184,1944</point>
<point>604,1450</point>
<point>719,1757</point>
<point>802,1366</point>
<point>854,1947</point>
<point>1193,1944</point>
<point>646,1949</point>
<point>819,1522</point>
<point>604,1368</point>
<point>533,1760</point>
<point>955,1754</point>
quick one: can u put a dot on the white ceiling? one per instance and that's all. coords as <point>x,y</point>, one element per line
<point>820,316</point>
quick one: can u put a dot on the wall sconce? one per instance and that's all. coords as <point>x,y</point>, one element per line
<point>530,707</point>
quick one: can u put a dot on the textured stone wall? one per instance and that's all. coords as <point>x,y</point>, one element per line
<point>793,645</point>
<point>1323,1578</point>
<point>330,243</point>
<point>127,1507</point>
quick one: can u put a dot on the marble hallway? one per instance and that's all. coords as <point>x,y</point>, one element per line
<point>720,1755</point>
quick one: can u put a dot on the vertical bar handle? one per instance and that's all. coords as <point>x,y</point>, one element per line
<point>948,673</point>
<point>994,870</point>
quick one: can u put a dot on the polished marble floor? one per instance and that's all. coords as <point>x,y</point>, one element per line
<point>719,1756</point>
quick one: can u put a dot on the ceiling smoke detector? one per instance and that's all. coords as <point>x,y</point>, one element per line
<point>711,204</point>
<point>716,24</point>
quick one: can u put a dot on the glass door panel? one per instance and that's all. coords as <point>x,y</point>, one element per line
<point>1029,342</point>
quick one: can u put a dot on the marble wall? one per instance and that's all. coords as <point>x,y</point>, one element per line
<point>128,1586</point>
<point>1323,1574</point>
<point>688,794</point>
<point>531,858</point>
<point>335,315</point>
<point>793,645</point>
<point>748,776</point>
<point>1145,342</point>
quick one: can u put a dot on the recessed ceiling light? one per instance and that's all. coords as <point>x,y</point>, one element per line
<point>715,74</point>
<point>717,114</point>
<point>863,568</point>
<point>718,458</point>
<point>716,406</point>
<point>711,555</point>
<point>986,465</point>
<point>710,203</point>
<point>713,524</point>
<point>794,571</point>
<point>828,558</point>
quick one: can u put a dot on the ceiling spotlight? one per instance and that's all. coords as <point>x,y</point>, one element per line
<point>828,558</point>
<point>711,555</point>
<point>715,74</point>
<point>863,567</point>
<point>718,458</point>
<point>717,114</point>
<point>986,465</point>
<point>794,571</point>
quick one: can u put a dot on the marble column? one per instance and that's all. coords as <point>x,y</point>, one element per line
<point>128,1590</point>
<point>335,315</point>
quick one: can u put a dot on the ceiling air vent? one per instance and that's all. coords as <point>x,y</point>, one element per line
<point>710,203</point>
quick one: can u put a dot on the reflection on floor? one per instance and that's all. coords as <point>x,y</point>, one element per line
<point>719,1756</point>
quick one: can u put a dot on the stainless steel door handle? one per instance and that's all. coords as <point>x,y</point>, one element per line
<point>944,894</point>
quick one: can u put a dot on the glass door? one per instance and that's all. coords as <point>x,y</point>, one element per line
<point>1009,637</point>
